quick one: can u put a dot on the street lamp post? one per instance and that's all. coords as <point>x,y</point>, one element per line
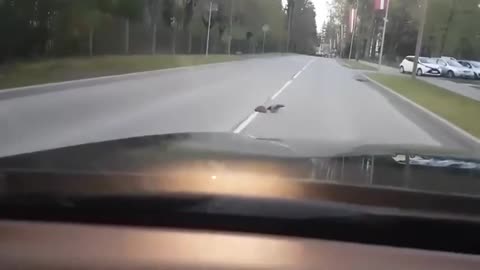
<point>211,8</point>
<point>208,29</point>
<point>265,29</point>
<point>385,21</point>
<point>418,47</point>
<point>230,28</point>
<point>289,25</point>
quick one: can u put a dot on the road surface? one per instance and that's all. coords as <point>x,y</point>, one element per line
<point>323,102</point>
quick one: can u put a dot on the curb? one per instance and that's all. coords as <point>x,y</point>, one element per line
<point>442,120</point>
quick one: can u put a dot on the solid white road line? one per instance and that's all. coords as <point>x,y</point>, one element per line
<point>252,116</point>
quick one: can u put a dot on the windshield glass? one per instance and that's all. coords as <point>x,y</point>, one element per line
<point>306,78</point>
<point>475,64</point>
<point>425,60</point>
<point>454,63</point>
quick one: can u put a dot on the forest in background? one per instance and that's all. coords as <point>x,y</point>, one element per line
<point>452,29</point>
<point>59,28</point>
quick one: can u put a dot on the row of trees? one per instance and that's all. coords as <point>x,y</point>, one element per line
<point>38,28</point>
<point>451,28</point>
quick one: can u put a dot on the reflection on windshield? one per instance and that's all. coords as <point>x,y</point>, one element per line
<point>412,172</point>
<point>436,162</point>
<point>81,71</point>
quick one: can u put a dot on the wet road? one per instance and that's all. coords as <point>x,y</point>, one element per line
<point>322,98</point>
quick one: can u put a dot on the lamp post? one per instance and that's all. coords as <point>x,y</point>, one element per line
<point>354,28</point>
<point>230,28</point>
<point>385,21</point>
<point>265,29</point>
<point>418,48</point>
<point>212,7</point>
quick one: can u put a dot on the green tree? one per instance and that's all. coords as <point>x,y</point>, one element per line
<point>129,10</point>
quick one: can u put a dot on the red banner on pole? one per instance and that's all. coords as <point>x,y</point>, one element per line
<point>380,4</point>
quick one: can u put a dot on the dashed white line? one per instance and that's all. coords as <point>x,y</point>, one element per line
<point>290,81</point>
<point>281,89</point>
<point>245,123</point>
<point>308,64</point>
<point>298,73</point>
<point>252,116</point>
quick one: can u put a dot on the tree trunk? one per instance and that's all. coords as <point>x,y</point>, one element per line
<point>449,21</point>
<point>154,38</point>
<point>127,35</point>
<point>90,41</point>
<point>189,39</point>
<point>373,48</point>
<point>174,39</point>
<point>373,30</point>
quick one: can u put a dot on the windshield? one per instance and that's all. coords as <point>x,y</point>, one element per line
<point>454,64</point>
<point>310,78</point>
<point>426,60</point>
<point>475,64</point>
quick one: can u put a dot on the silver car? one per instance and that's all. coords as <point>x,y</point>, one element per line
<point>473,65</point>
<point>452,69</point>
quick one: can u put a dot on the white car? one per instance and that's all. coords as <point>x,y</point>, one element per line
<point>473,65</point>
<point>426,66</point>
<point>452,69</point>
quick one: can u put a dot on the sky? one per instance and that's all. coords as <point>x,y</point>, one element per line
<point>321,9</point>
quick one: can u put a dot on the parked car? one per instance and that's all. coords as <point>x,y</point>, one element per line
<point>426,66</point>
<point>448,58</point>
<point>452,69</point>
<point>473,65</point>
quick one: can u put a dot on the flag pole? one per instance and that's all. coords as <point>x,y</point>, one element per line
<point>385,21</point>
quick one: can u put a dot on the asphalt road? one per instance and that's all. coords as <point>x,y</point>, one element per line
<point>323,102</point>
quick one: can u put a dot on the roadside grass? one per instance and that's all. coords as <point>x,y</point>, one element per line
<point>457,109</point>
<point>63,69</point>
<point>353,64</point>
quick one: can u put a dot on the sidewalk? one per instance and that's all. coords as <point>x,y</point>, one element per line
<point>459,88</point>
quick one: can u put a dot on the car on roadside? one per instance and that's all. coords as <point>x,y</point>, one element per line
<point>426,66</point>
<point>473,65</point>
<point>453,69</point>
<point>448,58</point>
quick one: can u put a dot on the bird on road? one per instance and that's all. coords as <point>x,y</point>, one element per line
<point>272,108</point>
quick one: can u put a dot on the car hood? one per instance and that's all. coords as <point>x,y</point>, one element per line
<point>232,156</point>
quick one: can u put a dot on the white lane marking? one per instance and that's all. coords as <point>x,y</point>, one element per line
<point>252,116</point>
<point>245,123</point>
<point>298,73</point>
<point>308,64</point>
<point>281,90</point>
<point>290,81</point>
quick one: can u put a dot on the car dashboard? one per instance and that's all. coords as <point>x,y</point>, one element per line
<point>41,245</point>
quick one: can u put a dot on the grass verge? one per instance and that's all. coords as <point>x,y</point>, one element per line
<point>64,69</point>
<point>459,110</point>
<point>353,64</point>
